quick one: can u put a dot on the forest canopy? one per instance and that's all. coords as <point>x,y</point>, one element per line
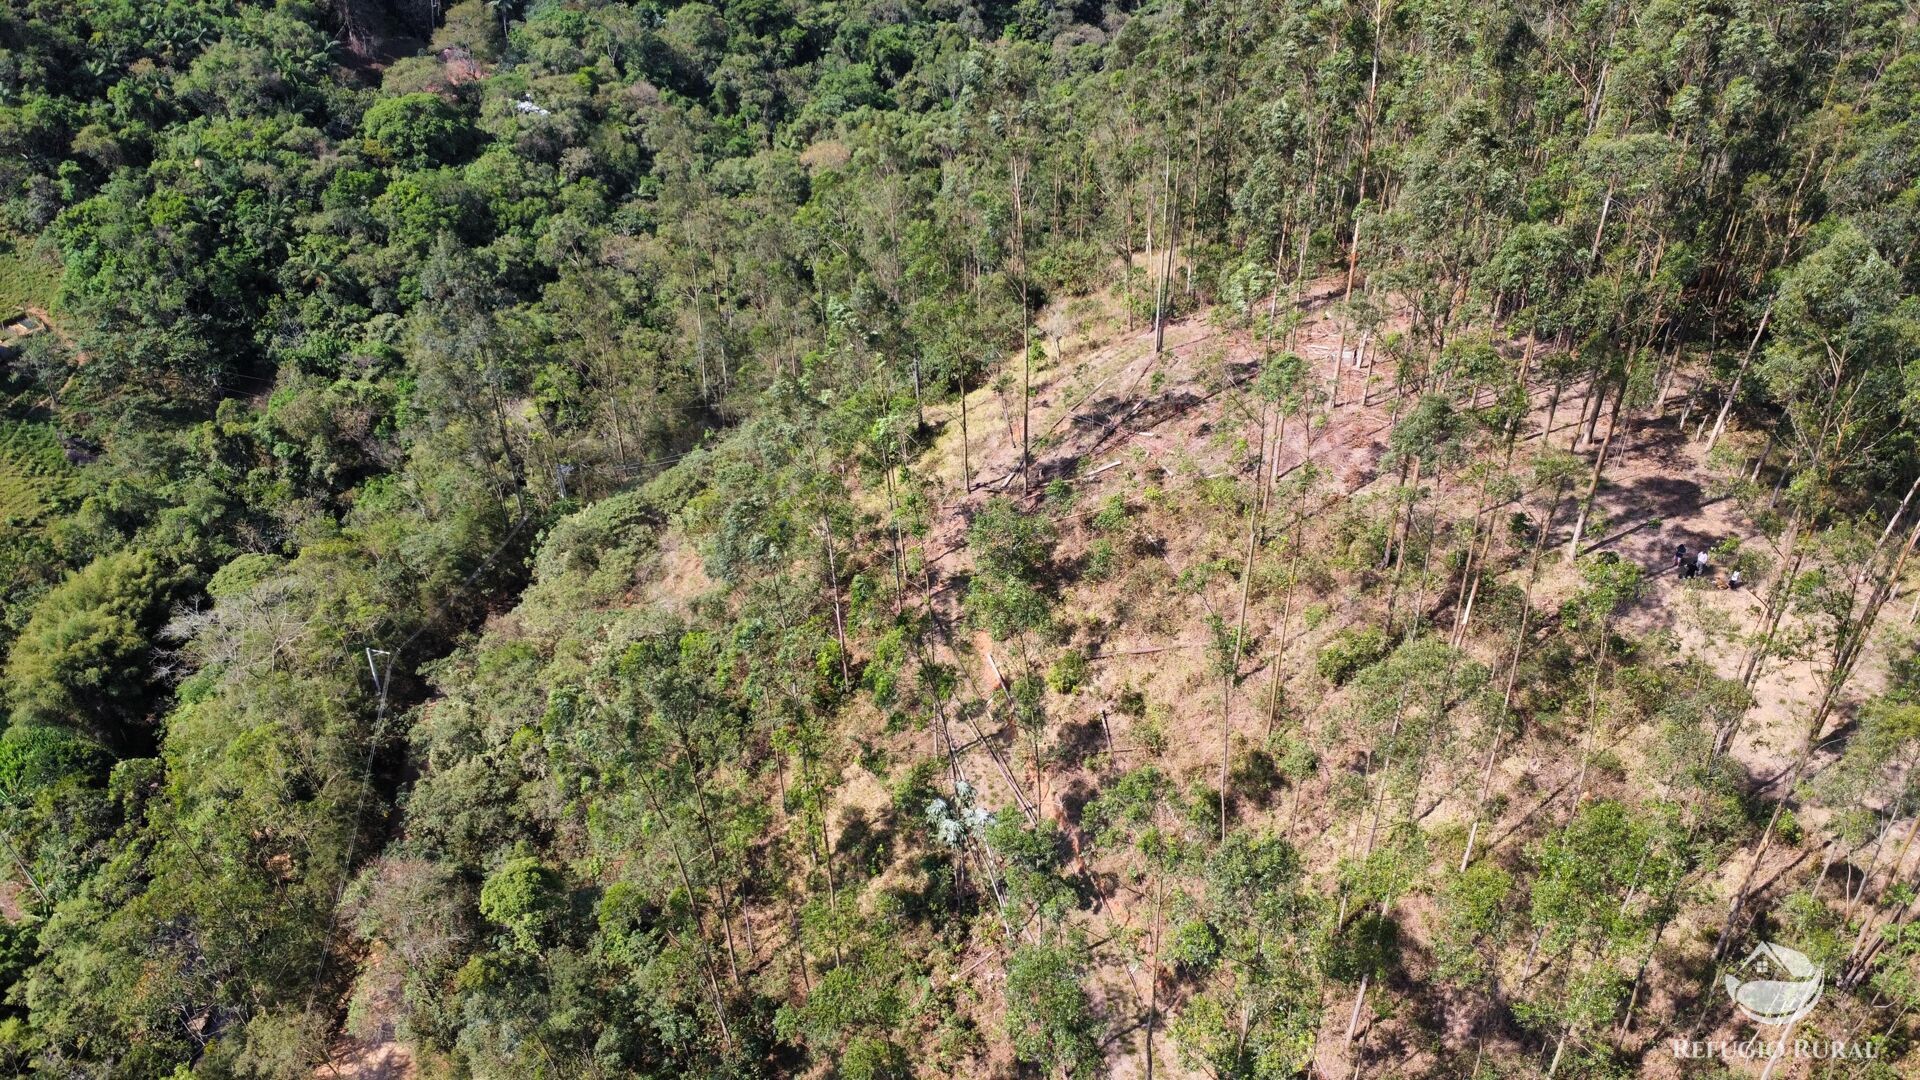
<point>870,538</point>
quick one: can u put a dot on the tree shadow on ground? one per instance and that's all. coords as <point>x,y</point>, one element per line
<point>863,843</point>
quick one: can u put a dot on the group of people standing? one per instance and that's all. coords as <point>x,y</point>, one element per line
<point>1695,565</point>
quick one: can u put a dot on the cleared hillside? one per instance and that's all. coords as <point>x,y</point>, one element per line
<point>881,538</point>
<point>1005,785</point>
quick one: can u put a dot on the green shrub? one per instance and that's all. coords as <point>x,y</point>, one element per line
<point>35,478</point>
<point>882,673</point>
<point>525,898</point>
<point>1296,760</point>
<point>1348,653</point>
<point>868,1058</point>
<point>83,658</point>
<point>1195,947</point>
<point>1049,1019</point>
<point>1011,552</point>
<point>1102,560</point>
<point>1006,540</point>
<point>1150,731</point>
<point>1112,515</point>
<point>35,758</point>
<point>851,999</point>
<point>1068,672</point>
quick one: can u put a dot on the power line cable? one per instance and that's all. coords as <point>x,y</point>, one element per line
<point>383,683</point>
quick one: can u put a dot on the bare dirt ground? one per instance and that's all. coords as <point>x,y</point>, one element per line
<point>382,1060</point>
<point>1110,417</point>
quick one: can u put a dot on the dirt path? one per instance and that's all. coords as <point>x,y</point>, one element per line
<point>354,1060</point>
<point>80,357</point>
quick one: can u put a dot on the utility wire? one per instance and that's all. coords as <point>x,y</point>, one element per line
<point>383,683</point>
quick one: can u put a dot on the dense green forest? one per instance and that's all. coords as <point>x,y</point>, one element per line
<point>881,538</point>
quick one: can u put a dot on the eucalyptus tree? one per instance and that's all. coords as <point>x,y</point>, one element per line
<point>1598,891</point>
<point>1609,585</point>
<point>1833,366</point>
<point>1639,173</point>
<point>1407,713</point>
<point>1457,188</point>
<point>1129,818</point>
<point>1254,949</point>
<point>1875,777</point>
<point>1694,787</point>
<point>1430,435</point>
<point>1553,471</point>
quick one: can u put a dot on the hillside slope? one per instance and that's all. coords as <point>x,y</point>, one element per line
<point>874,538</point>
<point>1099,725</point>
